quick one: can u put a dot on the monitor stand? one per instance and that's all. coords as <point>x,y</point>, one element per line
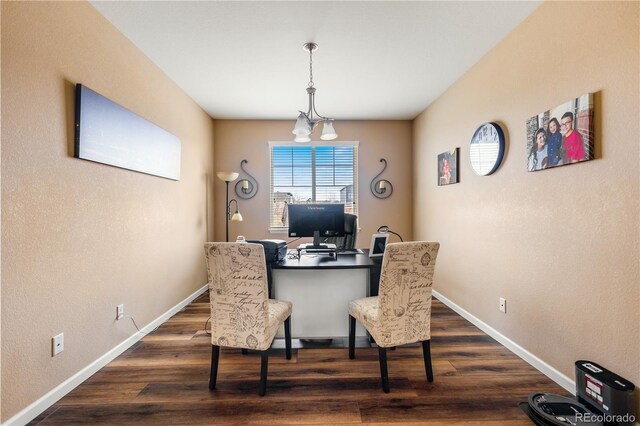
<point>316,247</point>
<point>324,248</point>
<point>316,242</point>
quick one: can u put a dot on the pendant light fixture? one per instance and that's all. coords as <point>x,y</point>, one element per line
<point>306,121</point>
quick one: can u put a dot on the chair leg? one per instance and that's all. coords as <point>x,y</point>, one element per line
<point>287,336</point>
<point>384,374</point>
<point>264,366</point>
<point>426,351</point>
<point>352,337</point>
<point>245,351</point>
<point>215,355</point>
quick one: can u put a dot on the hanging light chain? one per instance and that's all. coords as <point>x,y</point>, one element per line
<point>311,67</point>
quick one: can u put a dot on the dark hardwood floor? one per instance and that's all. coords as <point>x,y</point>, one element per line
<point>163,379</point>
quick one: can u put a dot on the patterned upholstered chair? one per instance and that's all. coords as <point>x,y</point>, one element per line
<point>242,315</point>
<point>401,313</point>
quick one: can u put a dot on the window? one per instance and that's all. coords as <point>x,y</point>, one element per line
<point>312,174</point>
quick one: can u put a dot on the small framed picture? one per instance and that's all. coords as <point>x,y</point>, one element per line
<point>448,167</point>
<point>378,243</point>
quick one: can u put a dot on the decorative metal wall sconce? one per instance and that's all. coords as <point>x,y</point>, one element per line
<point>381,188</point>
<point>246,188</point>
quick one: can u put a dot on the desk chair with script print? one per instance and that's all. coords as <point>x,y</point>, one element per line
<point>401,313</point>
<point>242,315</point>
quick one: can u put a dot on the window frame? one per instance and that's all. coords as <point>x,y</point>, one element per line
<point>313,144</point>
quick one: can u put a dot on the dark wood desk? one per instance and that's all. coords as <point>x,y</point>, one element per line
<point>320,287</point>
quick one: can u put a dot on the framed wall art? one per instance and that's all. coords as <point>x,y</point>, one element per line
<point>562,135</point>
<point>448,167</point>
<point>108,133</point>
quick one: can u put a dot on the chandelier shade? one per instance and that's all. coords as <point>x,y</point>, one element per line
<point>306,122</point>
<point>302,127</point>
<point>302,138</point>
<point>328,133</point>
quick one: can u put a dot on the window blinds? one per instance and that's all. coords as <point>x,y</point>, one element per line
<point>312,174</point>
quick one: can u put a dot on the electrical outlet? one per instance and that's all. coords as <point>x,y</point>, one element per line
<point>503,305</point>
<point>120,311</point>
<point>57,344</point>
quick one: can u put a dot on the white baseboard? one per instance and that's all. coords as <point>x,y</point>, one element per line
<point>33,410</point>
<point>530,358</point>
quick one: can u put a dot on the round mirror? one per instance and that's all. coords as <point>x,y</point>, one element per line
<point>486,149</point>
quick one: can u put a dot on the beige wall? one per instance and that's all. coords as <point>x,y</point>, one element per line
<point>561,245</point>
<point>248,139</point>
<point>0,227</point>
<point>0,223</point>
<point>78,237</point>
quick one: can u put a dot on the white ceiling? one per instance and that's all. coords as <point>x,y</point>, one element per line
<point>376,59</point>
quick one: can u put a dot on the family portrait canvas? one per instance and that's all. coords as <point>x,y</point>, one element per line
<point>562,135</point>
<point>448,167</point>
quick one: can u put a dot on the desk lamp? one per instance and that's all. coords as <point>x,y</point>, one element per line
<point>385,229</point>
<point>237,217</point>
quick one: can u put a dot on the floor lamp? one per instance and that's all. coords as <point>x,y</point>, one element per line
<point>237,217</point>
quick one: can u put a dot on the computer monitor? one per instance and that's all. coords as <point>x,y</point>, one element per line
<point>316,220</point>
